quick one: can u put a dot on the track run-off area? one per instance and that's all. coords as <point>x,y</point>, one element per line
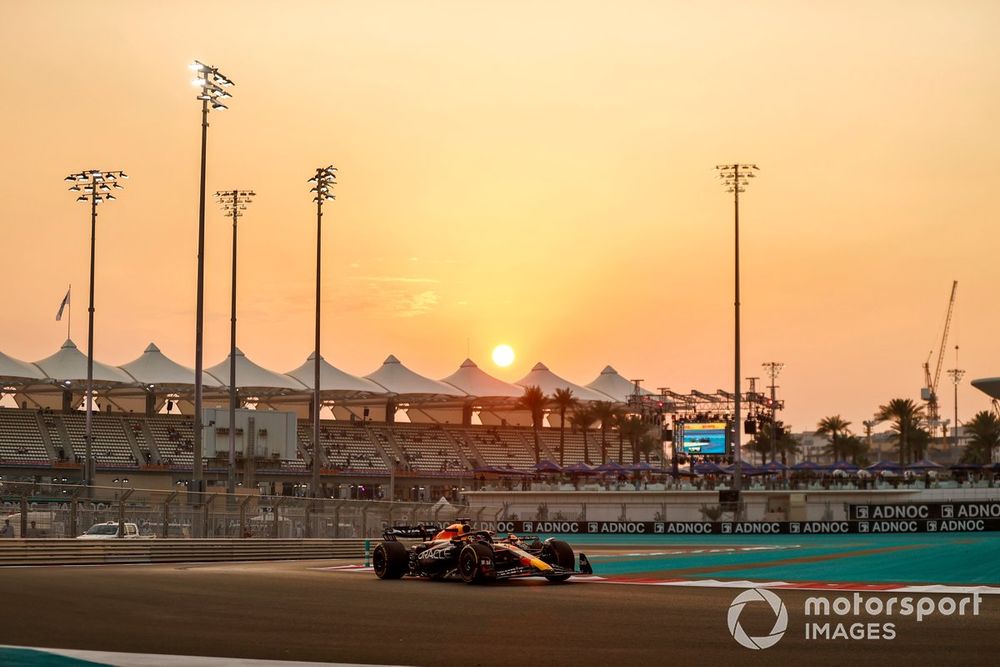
<point>662,599</point>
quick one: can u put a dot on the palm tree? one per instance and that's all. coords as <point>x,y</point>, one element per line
<point>582,418</point>
<point>604,412</point>
<point>905,416</point>
<point>534,401</point>
<point>835,427</point>
<point>786,443</point>
<point>854,449</point>
<point>618,418</point>
<point>563,400</point>
<point>631,428</point>
<point>984,432</point>
<point>649,443</point>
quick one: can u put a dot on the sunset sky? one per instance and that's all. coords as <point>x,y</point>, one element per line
<point>537,174</point>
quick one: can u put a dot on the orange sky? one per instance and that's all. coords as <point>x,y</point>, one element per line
<point>510,172</point>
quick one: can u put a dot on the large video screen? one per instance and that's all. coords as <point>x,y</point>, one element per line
<point>704,438</point>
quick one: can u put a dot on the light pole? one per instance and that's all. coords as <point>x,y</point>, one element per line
<point>956,377</point>
<point>324,180</point>
<point>212,83</point>
<point>94,186</point>
<point>233,204</point>
<point>736,177</point>
<point>773,369</point>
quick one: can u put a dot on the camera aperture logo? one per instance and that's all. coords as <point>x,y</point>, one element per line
<point>847,617</point>
<point>780,618</point>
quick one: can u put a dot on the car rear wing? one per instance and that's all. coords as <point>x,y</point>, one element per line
<point>419,532</point>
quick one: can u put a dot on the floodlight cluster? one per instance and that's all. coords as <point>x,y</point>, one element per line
<point>324,180</point>
<point>95,185</point>
<point>213,84</point>
<point>735,177</point>
<point>234,202</point>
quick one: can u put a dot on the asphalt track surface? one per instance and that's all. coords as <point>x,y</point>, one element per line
<point>301,611</point>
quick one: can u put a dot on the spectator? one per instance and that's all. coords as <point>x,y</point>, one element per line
<point>8,530</point>
<point>32,530</point>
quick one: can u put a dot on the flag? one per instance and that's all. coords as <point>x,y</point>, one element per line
<point>62,306</point>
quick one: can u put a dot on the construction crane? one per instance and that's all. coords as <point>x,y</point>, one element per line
<point>929,391</point>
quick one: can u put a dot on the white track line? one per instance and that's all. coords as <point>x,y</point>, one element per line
<point>746,583</point>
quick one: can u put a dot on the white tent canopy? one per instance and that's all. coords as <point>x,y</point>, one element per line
<point>476,382</point>
<point>154,369</point>
<point>253,378</point>
<point>332,380</point>
<point>398,379</point>
<point>541,377</point>
<point>16,371</point>
<point>68,367</point>
<point>613,384</point>
<point>989,386</point>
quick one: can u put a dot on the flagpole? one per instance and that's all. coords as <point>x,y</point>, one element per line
<point>69,318</point>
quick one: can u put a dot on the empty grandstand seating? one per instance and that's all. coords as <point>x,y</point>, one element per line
<point>358,447</point>
<point>427,448</point>
<point>109,445</point>
<point>573,442</point>
<point>346,445</point>
<point>21,438</point>
<point>501,447</point>
<point>174,439</point>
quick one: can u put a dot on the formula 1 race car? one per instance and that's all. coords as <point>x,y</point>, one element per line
<point>474,556</point>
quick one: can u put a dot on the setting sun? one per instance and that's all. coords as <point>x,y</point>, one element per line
<point>503,355</point>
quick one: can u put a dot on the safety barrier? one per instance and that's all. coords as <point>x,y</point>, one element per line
<point>99,552</point>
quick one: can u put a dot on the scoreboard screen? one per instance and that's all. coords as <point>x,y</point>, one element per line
<point>705,438</point>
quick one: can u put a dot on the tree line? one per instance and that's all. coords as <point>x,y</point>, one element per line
<point>906,418</point>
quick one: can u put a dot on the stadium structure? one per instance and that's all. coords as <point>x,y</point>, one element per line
<point>456,430</point>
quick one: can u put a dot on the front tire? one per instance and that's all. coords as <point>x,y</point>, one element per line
<point>475,563</point>
<point>559,553</point>
<point>390,560</point>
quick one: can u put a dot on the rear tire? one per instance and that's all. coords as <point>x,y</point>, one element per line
<point>470,560</point>
<point>557,552</point>
<point>390,560</point>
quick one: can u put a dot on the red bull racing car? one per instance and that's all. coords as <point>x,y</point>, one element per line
<point>474,556</point>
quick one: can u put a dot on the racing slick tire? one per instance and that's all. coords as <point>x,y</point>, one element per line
<point>470,561</point>
<point>390,560</point>
<point>557,552</point>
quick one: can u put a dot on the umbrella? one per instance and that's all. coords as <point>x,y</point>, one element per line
<point>991,467</point>
<point>965,466</point>
<point>642,466</point>
<point>497,470</point>
<point>580,469</point>
<point>546,465</point>
<point>709,468</point>
<point>747,469</point>
<point>611,467</point>
<point>807,466</point>
<point>884,466</point>
<point>774,466</point>
<point>924,465</point>
<point>842,466</point>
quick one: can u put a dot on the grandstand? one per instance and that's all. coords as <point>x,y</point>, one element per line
<point>426,448</point>
<point>32,438</point>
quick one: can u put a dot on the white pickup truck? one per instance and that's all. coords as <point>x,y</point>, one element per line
<point>109,531</point>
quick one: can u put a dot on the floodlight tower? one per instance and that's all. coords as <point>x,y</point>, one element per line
<point>95,187</point>
<point>956,377</point>
<point>233,203</point>
<point>324,180</point>
<point>213,84</point>
<point>735,177</point>
<point>773,370</point>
